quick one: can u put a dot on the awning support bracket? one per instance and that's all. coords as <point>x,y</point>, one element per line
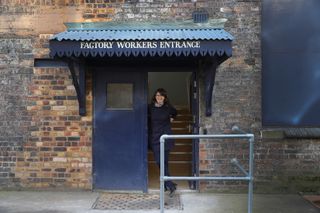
<point>79,83</point>
<point>210,69</point>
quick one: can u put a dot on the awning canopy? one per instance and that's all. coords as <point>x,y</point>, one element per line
<point>108,39</point>
<point>113,39</point>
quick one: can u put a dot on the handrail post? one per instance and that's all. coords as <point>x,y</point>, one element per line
<point>248,177</point>
<point>250,190</point>
<point>162,139</point>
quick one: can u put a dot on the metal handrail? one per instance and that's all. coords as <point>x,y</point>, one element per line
<point>248,177</point>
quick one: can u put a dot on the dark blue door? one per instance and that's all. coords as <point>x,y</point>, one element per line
<point>120,121</point>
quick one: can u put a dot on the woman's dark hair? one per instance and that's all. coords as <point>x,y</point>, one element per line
<point>162,92</point>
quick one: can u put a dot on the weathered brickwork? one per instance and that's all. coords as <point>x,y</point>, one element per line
<point>16,61</point>
<point>236,98</point>
<point>281,165</point>
<point>45,143</point>
<point>288,165</point>
<point>58,151</point>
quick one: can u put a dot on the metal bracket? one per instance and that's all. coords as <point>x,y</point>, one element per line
<point>79,82</point>
<point>210,75</point>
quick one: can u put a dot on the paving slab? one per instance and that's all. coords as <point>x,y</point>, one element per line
<point>82,202</point>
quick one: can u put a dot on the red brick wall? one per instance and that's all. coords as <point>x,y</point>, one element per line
<point>57,152</point>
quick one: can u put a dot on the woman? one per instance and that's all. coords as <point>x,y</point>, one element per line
<point>161,113</point>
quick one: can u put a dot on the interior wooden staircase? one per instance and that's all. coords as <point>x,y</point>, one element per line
<point>180,159</point>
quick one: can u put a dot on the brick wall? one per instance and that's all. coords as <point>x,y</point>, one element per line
<point>236,98</point>
<point>16,60</point>
<point>57,152</point>
<point>288,165</point>
<point>281,165</point>
<point>44,143</point>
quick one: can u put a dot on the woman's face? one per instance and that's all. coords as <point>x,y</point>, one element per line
<point>159,98</point>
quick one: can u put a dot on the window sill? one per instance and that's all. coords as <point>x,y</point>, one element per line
<point>290,133</point>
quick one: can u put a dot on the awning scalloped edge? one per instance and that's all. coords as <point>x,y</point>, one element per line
<point>136,53</point>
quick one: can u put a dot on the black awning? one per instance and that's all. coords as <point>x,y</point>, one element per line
<point>144,39</point>
<point>148,48</point>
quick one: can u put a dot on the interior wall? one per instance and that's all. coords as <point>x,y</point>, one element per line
<point>175,83</point>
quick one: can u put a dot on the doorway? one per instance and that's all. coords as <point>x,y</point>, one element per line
<point>121,160</point>
<point>179,86</point>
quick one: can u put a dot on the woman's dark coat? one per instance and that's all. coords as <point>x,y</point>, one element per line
<point>159,124</point>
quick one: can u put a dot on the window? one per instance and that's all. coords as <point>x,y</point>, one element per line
<point>119,96</point>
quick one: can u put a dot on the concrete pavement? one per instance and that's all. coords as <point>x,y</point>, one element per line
<point>81,202</point>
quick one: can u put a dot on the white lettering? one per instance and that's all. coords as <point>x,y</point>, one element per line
<point>152,45</point>
<point>140,44</point>
<point>133,44</point>
<point>182,44</point>
<point>87,46</point>
<point>166,44</point>
<point>120,44</point>
<point>197,44</point>
<point>127,45</point>
<point>96,45</point>
<point>179,44</point>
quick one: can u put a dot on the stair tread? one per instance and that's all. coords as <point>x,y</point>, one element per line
<point>179,121</point>
<point>175,153</point>
<point>173,162</point>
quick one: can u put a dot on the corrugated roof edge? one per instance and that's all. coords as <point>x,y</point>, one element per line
<point>173,25</point>
<point>187,34</point>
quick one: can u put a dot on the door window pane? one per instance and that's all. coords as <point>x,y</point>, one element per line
<point>119,96</point>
